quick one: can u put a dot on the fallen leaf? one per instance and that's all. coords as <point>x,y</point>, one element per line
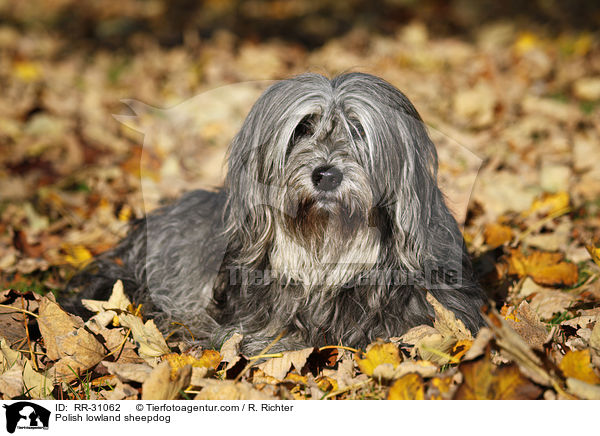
<point>594,253</point>
<point>230,350</point>
<point>55,324</point>
<point>529,326</point>
<point>549,204</point>
<point>209,359</point>
<point>595,336</point>
<point>543,267</point>
<point>150,340</point>
<point>479,345</point>
<point>515,347</point>
<point>408,387</point>
<point>582,389</point>
<point>460,348</point>
<point>11,382</point>
<point>230,390</point>
<point>136,372</point>
<point>484,381</point>
<point>447,323</point>
<point>550,301</point>
<point>378,354</point>
<point>160,386</point>
<point>421,367</point>
<point>278,367</point>
<point>80,351</point>
<point>576,364</point>
<point>117,302</point>
<point>497,234</point>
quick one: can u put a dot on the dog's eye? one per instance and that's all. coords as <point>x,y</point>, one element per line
<point>357,130</point>
<point>304,128</point>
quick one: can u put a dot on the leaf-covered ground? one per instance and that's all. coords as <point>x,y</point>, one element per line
<point>514,111</point>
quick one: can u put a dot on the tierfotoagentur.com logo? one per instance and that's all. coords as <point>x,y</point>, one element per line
<point>25,415</point>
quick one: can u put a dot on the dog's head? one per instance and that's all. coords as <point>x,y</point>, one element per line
<point>332,171</point>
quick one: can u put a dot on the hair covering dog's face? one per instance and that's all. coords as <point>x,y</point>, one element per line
<point>326,169</point>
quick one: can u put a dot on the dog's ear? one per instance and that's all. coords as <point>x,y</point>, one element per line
<point>248,220</point>
<point>417,197</point>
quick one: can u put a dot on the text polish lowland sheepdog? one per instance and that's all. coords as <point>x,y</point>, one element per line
<point>330,226</point>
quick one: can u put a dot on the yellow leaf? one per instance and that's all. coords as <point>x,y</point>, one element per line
<point>77,255</point>
<point>549,204</point>
<point>376,355</point>
<point>461,347</point>
<point>497,234</point>
<point>594,252</point>
<point>408,387</point>
<point>443,386</point>
<point>209,359</point>
<point>26,71</point>
<point>543,267</point>
<point>125,213</point>
<point>525,42</point>
<point>326,383</point>
<point>576,364</point>
<point>482,380</point>
<point>296,378</point>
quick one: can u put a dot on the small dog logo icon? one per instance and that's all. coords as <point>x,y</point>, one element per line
<point>26,415</point>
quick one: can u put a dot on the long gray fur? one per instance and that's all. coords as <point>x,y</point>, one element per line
<point>272,252</point>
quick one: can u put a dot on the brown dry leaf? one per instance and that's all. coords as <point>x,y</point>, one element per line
<point>117,301</point>
<point>37,384</point>
<point>543,267</point>
<point>124,350</point>
<point>278,367</point>
<point>421,367</point>
<point>137,372</point>
<point>415,334</point>
<point>408,387</point>
<point>11,382</point>
<point>484,381</point>
<point>497,234</point>
<point>376,355</point>
<point>528,325</point>
<point>595,336</point>
<point>515,347</point>
<point>230,390</point>
<point>435,344</point>
<point>551,301</point>
<point>576,364</point>
<point>582,389</point>
<point>11,324</point>
<point>479,345</point>
<point>120,391</point>
<point>80,351</point>
<point>67,341</point>
<point>150,340</point>
<point>160,386</point>
<point>55,323</point>
<point>447,323</point>
<point>230,350</point>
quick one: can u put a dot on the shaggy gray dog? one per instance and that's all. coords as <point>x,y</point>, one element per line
<point>330,226</point>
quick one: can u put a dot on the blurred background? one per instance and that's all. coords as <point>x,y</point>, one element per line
<point>514,84</point>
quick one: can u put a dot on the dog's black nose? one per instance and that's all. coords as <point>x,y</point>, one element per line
<point>327,178</point>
